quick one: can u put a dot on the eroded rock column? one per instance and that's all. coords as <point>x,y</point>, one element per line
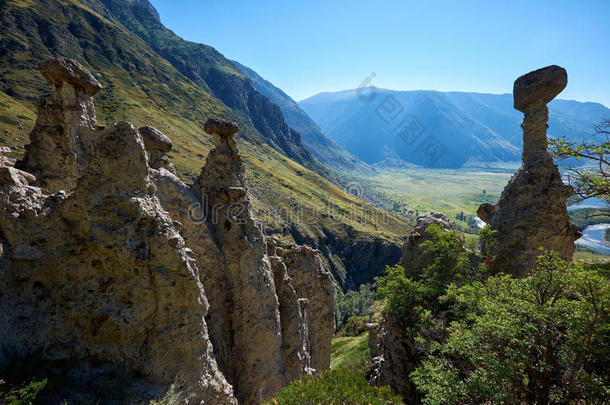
<point>66,121</point>
<point>100,275</point>
<point>252,358</point>
<point>312,281</point>
<point>532,211</point>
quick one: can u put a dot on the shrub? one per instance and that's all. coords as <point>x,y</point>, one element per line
<point>354,303</point>
<point>412,297</point>
<point>541,339</point>
<point>354,326</point>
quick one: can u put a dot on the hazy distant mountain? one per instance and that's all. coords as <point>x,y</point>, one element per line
<point>438,129</point>
<point>323,147</point>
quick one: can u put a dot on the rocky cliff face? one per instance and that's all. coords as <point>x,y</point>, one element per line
<point>531,212</point>
<point>353,259</point>
<point>311,279</point>
<point>117,261</point>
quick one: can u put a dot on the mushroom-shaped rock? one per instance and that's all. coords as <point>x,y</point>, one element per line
<point>539,86</point>
<point>154,139</point>
<point>62,70</point>
<point>486,211</point>
<point>531,212</point>
<point>220,127</point>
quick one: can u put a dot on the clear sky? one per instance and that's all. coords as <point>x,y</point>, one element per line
<point>307,47</point>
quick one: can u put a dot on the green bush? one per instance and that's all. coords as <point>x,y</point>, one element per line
<point>337,387</point>
<point>542,339</point>
<point>413,297</point>
<point>354,303</point>
<point>354,326</point>
<point>23,396</point>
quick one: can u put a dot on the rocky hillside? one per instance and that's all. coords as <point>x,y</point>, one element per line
<point>208,68</point>
<point>111,263</point>
<point>438,129</point>
<point>145,72</point>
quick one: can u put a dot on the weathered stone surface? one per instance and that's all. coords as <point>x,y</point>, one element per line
<point>60,71</point>
<point>250,290</point>
<point>531,212</point>
<point>539,87</point>
<point>65,123</point>
<point>295,334</point>
<point>313,281</point>
<point>155,139</point>
<point>413,256</point>
<point>486,211</point>
<point>208,211</point>
<point>157,145</point>
<point>126,266</point>
<point>392,356</point>
<point>220,127</point>
<point>103,275</point>
<point>5,160</point>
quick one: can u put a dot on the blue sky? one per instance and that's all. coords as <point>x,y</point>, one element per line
<point>307,47</point>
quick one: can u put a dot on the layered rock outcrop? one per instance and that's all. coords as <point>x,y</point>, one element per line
<point>107,257</point>
<point>531,212</point>
<point>313,280</point>
<point>103,275</point>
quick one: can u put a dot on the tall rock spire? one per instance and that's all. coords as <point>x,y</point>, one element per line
<point>532,211</point>
<point>252,357</point>
<point>66,122</point>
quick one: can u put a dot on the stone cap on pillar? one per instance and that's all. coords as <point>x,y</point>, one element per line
<point>63,70</point>
<point>540,85</point>
<point>221,127</point>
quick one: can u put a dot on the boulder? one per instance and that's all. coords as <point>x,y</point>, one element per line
<point>157,145</point>
<point>539,87</point>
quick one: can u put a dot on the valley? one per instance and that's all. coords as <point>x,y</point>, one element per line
<point>176,228</point>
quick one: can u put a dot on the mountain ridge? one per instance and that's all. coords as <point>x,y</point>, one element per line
<point>324,148</point>
<point>464,125</point>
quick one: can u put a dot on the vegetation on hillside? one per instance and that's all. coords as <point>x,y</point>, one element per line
<point>335,387</point>
<point>542,339</point>
<point>481,339</point>
<point>354,303</point>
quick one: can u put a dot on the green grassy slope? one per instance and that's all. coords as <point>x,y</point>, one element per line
<point>209,69</point>
<point>143,87</point>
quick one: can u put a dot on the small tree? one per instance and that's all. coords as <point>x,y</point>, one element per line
<point>588,182</point>
<point>537,340</point>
